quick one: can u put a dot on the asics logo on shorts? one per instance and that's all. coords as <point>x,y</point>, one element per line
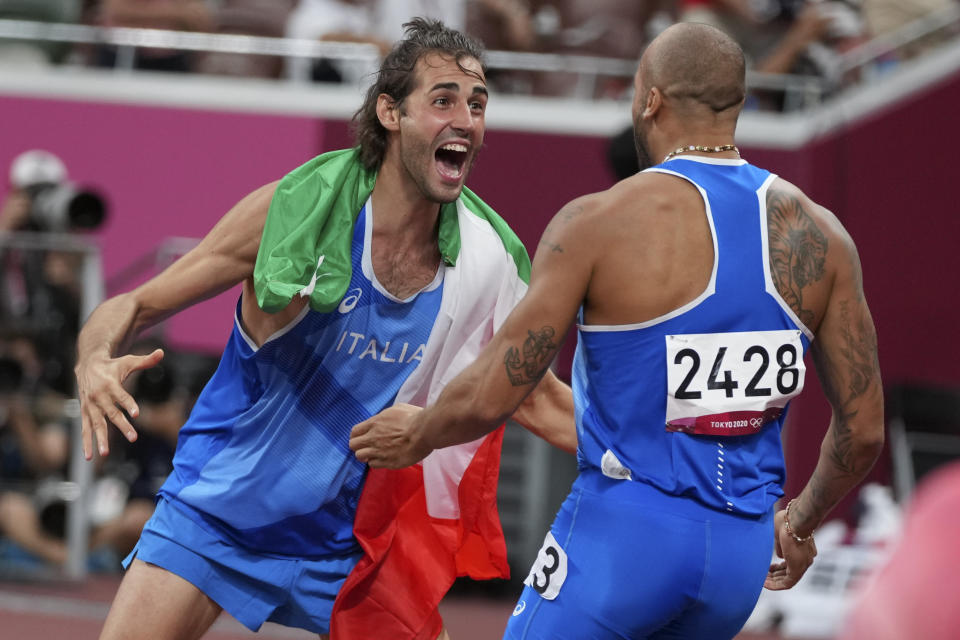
<point>519,608</point>
<point>350,300</point>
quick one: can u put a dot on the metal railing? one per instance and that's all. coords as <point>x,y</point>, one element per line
<point>910,33</point>
<point>80,471</point>
<point>130,38</point>
<point>589,69</point>
<point>152,262</point>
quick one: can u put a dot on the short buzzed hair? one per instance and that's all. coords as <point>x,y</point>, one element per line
<point>697,65</point>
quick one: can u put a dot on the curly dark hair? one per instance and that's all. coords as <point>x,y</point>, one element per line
<point>396,78</point>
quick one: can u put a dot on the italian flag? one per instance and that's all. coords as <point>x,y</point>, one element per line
<point>422,526</point>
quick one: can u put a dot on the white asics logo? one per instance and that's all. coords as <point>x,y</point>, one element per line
<point>308,290</point>
<point>520,607</point>
<point>350,300</point>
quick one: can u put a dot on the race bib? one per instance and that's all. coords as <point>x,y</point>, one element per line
<point>731,384</point>
<point>549,569</point>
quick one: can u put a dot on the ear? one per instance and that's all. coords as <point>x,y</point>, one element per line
<point>388,113</point>
<point>653,103</point>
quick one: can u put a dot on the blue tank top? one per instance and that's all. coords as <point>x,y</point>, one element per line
<point>693,402</point>
<point>263,460</point>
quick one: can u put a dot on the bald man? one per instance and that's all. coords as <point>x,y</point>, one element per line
<point>698,285</point>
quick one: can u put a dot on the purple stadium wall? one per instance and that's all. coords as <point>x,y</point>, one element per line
<point>173,172</point>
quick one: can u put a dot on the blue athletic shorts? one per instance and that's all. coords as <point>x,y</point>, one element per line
<point>625,560</point>
<point>252,587</point>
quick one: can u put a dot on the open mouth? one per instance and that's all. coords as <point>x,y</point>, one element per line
<point>451,159</point>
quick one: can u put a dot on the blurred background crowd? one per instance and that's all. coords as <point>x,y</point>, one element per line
<point>799,37</point>
<point>41,284</point>
<point>41,281</point>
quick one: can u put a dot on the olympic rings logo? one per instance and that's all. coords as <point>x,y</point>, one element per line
<point>756,422</point>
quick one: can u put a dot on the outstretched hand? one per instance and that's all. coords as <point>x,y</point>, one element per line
<point>389,439</point>
<point>797,557</point>
<point>103,398</point>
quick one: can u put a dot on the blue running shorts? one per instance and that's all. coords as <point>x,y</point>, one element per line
<point>624,560</point>
<point>252,587</point>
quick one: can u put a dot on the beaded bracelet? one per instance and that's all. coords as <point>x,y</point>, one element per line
<point>789,529</point>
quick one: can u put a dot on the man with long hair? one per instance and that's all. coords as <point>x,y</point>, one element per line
<point>370,276</point>
<point>697,287</point>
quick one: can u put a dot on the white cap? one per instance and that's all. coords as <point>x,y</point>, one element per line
<point>36,166</point>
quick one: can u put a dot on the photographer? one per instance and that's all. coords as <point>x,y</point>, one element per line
<point>34,442</point>
<point>39,317</point>
<point>41,289</point>
<point>43,199</point>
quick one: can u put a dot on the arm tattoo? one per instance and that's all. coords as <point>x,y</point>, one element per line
<point>564,216</point>
<point>538,351</point>
<point>858,358</point>
<point>849,373</point>
<point>798,250</point>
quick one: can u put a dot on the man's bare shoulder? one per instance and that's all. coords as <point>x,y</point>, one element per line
<point>244,220</point>
<point>789,206</point>
<point>641,204</point>
<point>643,192</point>
<point>810,251</point>
<point>260,197</point>
<point>651,202</point>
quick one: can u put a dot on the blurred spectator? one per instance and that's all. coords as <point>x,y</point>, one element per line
<point>603,28</point>
<point>807,28</point>
<point>376,22</point>
<point>40,290</point>
<point>36,52</point>
<point>33,516</point>
<point>502,24</point>
<point>388,16</point>
<point>176,15</point>
<point>608,28</point>
<point>266,18</point>
<point>797,37</point>
<point>755,24</point>
<point>34,444</point>
<point>812,45</point>
<point>885,16</point>
<point>337,21</point>
<point>916,594</point>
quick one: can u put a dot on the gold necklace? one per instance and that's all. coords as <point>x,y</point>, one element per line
<point>697,147</point>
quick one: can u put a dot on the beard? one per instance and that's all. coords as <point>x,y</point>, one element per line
<point>418,158</point>
<point>644,161</point>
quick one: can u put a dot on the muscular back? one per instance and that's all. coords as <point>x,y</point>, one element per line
<point>654,251</point>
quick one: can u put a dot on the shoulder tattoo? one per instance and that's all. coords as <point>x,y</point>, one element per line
<point>798,250</point>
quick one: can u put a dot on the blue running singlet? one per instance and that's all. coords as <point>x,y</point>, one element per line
<point>263,460</point>
<point>668,530</point>
<point>693,402</point>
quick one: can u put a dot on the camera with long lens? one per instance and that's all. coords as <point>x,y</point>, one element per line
<point>65,207</point>
<point>56,204</point>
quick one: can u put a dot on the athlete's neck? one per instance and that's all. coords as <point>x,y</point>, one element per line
<point>402,212</point>
<point>404,242</point>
